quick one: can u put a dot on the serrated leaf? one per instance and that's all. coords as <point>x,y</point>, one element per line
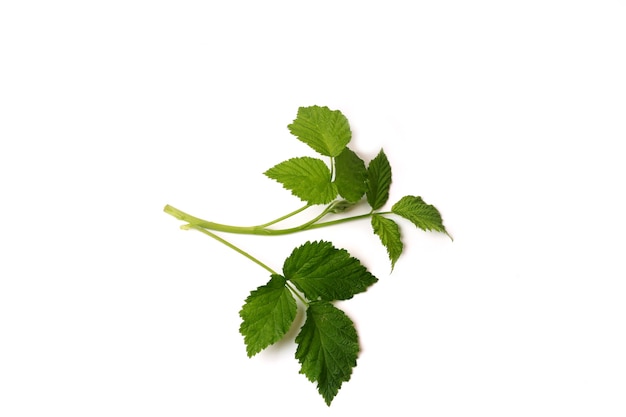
<point>328,347</point>
<point>378,181</point>
<point>326,131</point>
<point>350,175</point>
<point>267,315</point>
<point>307,178</point>
<point>321,271</point>
<point>389,233</point>
<point>422,215</point>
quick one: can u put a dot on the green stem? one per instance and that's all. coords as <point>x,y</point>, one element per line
<point>345,220</point>
<point>233,247</point>
<point>247,255</point>
<point>296,293</point>
<point>196,221</point>
<point>261,230</point>
<point>286,216</point>
<point>249,230</point>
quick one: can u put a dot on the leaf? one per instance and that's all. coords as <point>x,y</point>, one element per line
<point>378,181</point>
<point>321,271</point>
<point>328,348</point>
<point>307,178</point>
<point>350,175</point>
<point>267,315</point>
<point>341,206</point>
<point>326,131</point>
<point>422,215</point>
<point>389,233</point>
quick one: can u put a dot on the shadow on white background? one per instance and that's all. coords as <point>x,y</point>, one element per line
<point>508,118</point>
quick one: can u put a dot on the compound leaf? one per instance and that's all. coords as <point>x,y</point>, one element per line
<point>422,215</point>
<point>307,178</point>
<point>267,315</point>
<point>328,348</point>
<point>321,271</point>
<point>378,181</point>
<point>350,175</point>
<point>389,233</point>
<point>326,131</point>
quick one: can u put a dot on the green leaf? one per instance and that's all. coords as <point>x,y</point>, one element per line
<point>350,175</point>
<point>422,215</point>
<point>378,181</point>
<point>389,233</point>
<point>306,178</point>
<point>341,206</point>
<point>267,315</point>
<point>328,347</point>
<point>326,131</point>
<point>321,271</point>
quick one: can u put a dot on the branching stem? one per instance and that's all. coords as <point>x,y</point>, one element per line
<point>198,223</point>
<point>286,216</point>
<point>345,220</point>
<point>247,255</point>
<point>230,245</point>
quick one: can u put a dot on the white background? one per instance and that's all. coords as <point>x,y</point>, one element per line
<point>507,116</point>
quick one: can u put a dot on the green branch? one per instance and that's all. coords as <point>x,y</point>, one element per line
<point>199,223</point>
<point>317,273</point>
<point>230,245</point>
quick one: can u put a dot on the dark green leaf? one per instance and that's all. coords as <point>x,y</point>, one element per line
<point>321,271</point>
<point>389,233</point>
<point>422,215</point>
<point>326,131</point>
<point>350,175</point>
<point>378,181</point>
<point>328,347</point>
<point>267,315</point>
<point>306,178</point>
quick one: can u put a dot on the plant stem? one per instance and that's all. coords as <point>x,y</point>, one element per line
<point>286,216</point>
<point>248,230</point>
<point>195,221</point>
<point>230,245</point>
<point>247,255</point>
<point>345,220</point>
<point>296,293</point>
<point>198,223</point>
